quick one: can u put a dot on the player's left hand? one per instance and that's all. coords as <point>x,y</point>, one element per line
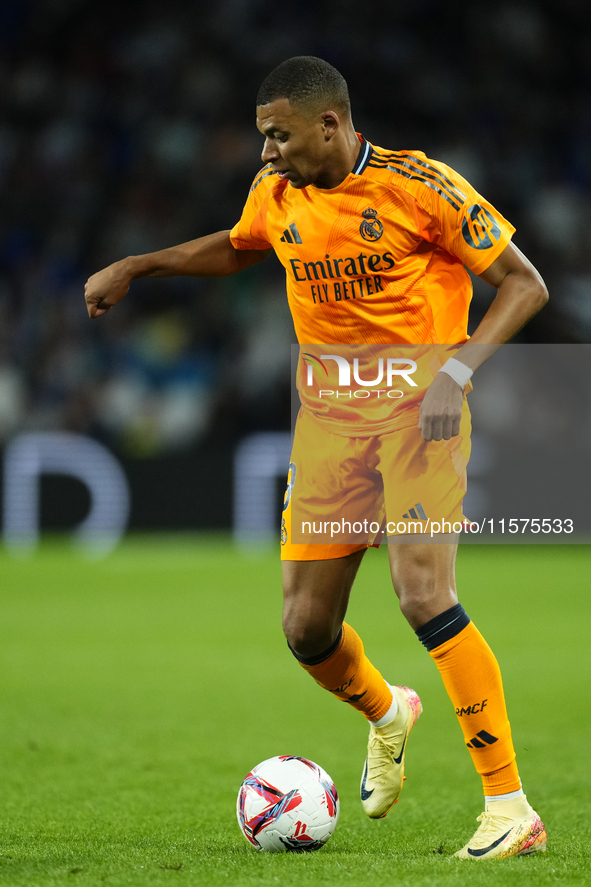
<point>441,409</point>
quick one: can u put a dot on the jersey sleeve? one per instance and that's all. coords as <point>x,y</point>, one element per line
<point>251,231</point>
<point>461,221</point>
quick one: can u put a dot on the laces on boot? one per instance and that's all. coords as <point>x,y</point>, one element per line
<point>382,755</point>
<point>490,825</point>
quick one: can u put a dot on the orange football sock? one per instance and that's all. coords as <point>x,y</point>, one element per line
<point>472,678</point>
<point>346,672</point>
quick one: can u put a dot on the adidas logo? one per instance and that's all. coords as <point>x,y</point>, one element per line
<point>486,738</point>
<point>417,511</point>
<point>291,235</point>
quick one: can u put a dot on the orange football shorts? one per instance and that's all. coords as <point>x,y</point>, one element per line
<point>345,493</point>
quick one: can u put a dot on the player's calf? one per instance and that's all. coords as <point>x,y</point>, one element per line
<point>346,672</point>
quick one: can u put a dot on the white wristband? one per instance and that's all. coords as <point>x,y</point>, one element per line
<point>459,372</point>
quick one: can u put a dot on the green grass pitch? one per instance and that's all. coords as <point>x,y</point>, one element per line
<point>138,691</point>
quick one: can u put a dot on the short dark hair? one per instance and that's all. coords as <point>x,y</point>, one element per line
<point>305,79</point>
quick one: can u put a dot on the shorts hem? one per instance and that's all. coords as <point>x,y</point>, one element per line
<point>301,552</point>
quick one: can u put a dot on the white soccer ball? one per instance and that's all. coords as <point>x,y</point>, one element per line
<point>287,804</point>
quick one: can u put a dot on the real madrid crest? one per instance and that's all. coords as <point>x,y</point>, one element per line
<point>371,228</point>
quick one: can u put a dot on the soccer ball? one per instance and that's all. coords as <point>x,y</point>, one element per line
<point>287,804</point>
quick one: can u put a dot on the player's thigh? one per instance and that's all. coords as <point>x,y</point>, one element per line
<point>424,483</point>
<point>415,567</point>
<point>333,503</point>
<point>315,599</point>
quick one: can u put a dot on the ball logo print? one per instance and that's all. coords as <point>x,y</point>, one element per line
<point>371,228</point>
<point>287,804</point>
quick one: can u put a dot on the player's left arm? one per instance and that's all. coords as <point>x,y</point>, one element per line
<point>521,293</point>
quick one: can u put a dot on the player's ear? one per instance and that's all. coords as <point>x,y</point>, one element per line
<point>330,124</point>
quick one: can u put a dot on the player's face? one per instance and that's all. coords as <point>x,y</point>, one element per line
<point>296,144</point>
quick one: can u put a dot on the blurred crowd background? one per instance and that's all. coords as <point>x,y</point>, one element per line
<point>127,127</point>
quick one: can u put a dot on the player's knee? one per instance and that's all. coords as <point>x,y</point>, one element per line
<point>411,606</point>
<point>418,580</point>
<point>413,587</point>
<point>420,604</point>
<point>305,637</point>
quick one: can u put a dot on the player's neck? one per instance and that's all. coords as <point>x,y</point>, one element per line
<point>342,161</point>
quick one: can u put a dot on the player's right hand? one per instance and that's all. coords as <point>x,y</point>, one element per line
<point>105,288</point>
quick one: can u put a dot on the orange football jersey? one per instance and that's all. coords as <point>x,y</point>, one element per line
<point>380,258</point>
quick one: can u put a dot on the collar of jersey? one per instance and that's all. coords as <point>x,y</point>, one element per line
<point>358,169</point>
<point>364,156</point>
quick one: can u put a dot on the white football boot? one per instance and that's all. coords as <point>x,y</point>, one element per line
<point>383,774</point>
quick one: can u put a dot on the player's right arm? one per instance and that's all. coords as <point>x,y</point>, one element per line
<point>215,255</point>
<point>210,256</point>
